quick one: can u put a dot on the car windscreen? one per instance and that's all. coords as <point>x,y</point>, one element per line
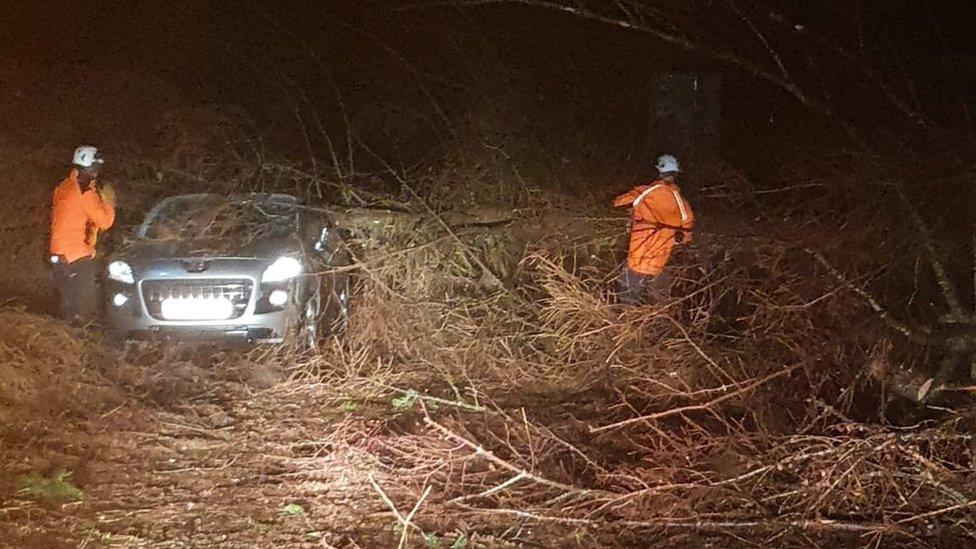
<point>215,219</point>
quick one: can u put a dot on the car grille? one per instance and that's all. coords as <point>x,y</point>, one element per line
<point>238,291</point>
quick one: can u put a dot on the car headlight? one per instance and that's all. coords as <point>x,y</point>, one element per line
<point>121,271</point>
<point>284,268</point>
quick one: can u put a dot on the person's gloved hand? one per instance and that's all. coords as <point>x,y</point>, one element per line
<point>107,192</point>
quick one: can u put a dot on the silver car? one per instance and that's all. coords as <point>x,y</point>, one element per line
<point>258,268</point>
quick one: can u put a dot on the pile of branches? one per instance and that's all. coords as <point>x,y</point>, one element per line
<point>737,410</point>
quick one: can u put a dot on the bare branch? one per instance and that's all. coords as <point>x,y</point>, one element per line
<point>698,407</point>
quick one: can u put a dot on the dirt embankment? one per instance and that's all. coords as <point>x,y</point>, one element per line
<point>31,174</point>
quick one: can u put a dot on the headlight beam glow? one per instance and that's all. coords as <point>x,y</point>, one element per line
<point>284,268</point>
<point>120,271</point>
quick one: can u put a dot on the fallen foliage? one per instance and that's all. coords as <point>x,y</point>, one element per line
<point>489,389</point>
<point>739,410</point>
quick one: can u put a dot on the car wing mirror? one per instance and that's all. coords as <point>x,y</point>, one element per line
<point>321,243</point>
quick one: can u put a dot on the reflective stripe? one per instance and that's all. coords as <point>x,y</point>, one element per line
<point>681,206</point>
<point>677,198</point>
<point>644,194</point>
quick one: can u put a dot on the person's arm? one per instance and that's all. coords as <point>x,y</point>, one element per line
<point>626,199</point>
<point>101,212</point>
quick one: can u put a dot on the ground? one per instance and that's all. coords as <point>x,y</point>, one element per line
<point>206,458</point>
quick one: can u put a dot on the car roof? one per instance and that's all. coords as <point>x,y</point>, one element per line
<point>162,203</point>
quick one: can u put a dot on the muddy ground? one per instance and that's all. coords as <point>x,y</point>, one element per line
<point>188,454</point>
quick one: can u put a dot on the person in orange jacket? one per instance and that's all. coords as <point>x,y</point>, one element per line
<point>660,218</point>
<point>80,209</point>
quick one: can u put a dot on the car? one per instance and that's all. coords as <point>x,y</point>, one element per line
<point>255,267</point>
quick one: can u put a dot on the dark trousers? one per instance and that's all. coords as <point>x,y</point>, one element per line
<point>634,288</point>
<point>77,291</point>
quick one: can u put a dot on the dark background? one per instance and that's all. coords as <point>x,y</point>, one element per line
<point>568,73</point>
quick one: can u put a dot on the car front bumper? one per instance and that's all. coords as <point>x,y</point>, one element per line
<point>256,323</point>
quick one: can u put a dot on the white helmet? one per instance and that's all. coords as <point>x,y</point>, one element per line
<point>86,156</point>
<point>667,164</point>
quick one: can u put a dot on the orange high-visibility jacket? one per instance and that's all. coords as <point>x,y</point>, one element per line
<point>76,218</point>
<point>657,211</point>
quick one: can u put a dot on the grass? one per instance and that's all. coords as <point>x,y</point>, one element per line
<point>57,488</point>
<point>293,510</point>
